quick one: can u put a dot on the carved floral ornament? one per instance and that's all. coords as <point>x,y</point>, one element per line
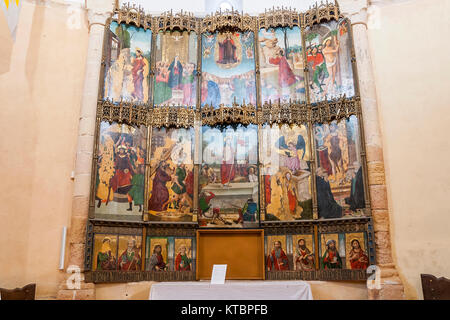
<point>292,112</point>
<point>276,16</point>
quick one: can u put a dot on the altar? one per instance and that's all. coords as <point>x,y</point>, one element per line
<point>232,290</point>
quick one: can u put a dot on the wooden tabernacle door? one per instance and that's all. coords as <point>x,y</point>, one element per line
<point>241,249</point>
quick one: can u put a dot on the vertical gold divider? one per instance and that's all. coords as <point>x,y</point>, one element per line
<point>147,172</point>
<point>262,194</point>
<point>316,247</point>
<point>143,247</point>
<point>199,67</point>
<point>91,211</point>
<point>310,125</point>
<point>197,125</point>
<point>257,66</point>
<point>262,201</point>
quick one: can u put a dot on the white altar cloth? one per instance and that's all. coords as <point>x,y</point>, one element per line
<point>231,290</point>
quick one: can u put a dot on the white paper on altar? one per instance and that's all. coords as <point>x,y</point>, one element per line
<point>232,290</point>
<point>218,274</point>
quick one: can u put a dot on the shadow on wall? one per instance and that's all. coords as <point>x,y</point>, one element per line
<point>6,45</point>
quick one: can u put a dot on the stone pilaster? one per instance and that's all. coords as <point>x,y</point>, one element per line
<point>98,11</point>
<point>391,284</point>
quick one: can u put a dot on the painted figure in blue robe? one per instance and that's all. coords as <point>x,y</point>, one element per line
<point>175,73</point>
<point>212,94</point>
<point>249,210</point>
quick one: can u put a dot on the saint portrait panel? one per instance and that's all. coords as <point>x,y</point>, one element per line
<point>355,245</point>
<point>277,253</point>
<point>183,254</point>
<point>332,251</point>
<point>157,254</point>
<point>130,253</point>
<point>105,252</point>
<point>303,252</point>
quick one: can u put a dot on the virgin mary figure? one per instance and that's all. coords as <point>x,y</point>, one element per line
<point>227,51</point>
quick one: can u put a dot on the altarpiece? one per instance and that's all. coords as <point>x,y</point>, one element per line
<point>229,122</point>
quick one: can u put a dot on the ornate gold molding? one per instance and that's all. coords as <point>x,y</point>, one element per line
<point>291,112</point>
<point>122,112</point>
<point>335,109</point>
<point>274,17</point>
<point>228,20</point>
<point>321,12</point>
<point>245,114</point>
<point>130,13</point>
<point>279,17</point>
<point>179,117</point>
<point>168,21</point>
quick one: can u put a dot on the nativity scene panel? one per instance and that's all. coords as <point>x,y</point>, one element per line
<point>228,69</point>
<point>228,179</point>
<point>127,63</point>
<point>176,69</point>
<point>171,177</point>
<point>286,173</point>
<point>120,172</point>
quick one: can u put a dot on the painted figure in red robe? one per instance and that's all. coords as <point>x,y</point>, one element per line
<point>277,259</point>
<point>227,51</point>
<point>130,259</point>
<point>121,181</point>
<point>139,64</point>
<point>160,194</point>
<point>358,259</point>
<point>182,261</point>
<point>286,77</point>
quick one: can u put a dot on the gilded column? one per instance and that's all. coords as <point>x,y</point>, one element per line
<point>391,284</point>
<point>98,11</point>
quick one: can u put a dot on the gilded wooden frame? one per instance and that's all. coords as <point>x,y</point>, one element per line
<point>292,112</point>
